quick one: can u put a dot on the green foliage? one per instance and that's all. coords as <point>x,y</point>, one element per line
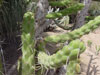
<point>56,60</point>
<point>11,13</point>
<point>28,51</point>
<point>90,26</point>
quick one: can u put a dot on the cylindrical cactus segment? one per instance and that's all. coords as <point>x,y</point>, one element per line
<point>28,23</point>
<point>28,44</point>
<point>66,11</point>
<point>91,25</point>
<point>58,59</point>
<point>73,68</point>
<point>60,3</point>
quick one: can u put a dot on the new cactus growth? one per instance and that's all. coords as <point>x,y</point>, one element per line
<point>27,59</point>
<point>66,11</point>
<point>90,26</point>
<point>56,60</point>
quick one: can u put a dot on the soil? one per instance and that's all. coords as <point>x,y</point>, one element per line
<point>90,59</point>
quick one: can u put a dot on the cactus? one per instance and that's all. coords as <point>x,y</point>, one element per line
<point>56,60</point>
<point>27,59</point>
<point>73,68</point>
<point>70,52</point>
<point>90,26</point>
<point>66,11</point>
<point>60,3</point>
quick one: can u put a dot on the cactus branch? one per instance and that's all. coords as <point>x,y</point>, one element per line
<point>66,11</point>
<point>58,59</point>
<point>28,51</point>
<point>60,3</point>
<point>73,68</point>
<point>90,26</point>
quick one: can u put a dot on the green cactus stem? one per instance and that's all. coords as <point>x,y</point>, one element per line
<point>66,11</point>
<point>60,3</point>
<point>73,68</point>
<point>28,51</point>
<point>58,59</point>
<point>90,26</point>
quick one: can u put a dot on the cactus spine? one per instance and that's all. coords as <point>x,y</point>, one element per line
<point>90,26</point>
<point>56,60</point>
<point>28,44</point>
